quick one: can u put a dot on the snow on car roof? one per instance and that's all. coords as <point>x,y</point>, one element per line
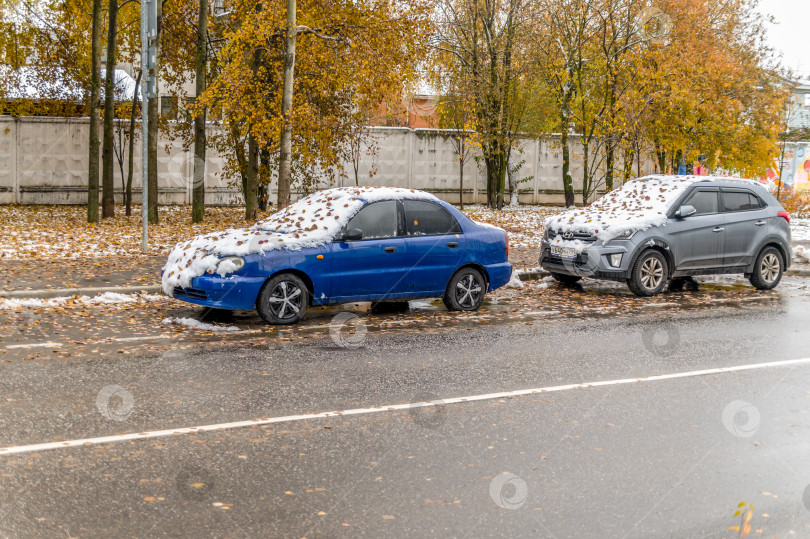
<point>640,204</point>
<point>310,222</point>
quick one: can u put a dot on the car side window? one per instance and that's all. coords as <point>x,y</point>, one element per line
<point>705,202</point>
<point>377,220</point>
<point>739,201</point>
<point>428,219</point>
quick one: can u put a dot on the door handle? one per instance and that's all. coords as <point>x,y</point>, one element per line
<point>390,249</point>
<point>760,222</point>
<point>452,244</point>
<point>718,229</point>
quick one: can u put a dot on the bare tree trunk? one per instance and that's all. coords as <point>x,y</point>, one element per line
<point>128,191</point>
<point>95,82</point>
<point>264,195</point>
<point>285,158</point>
<point>586,176</point>
<point>628,163</point>
<point>461,173</point>
<point>252,183</point>
<point>514,195</point>
<point>107,178</point>
<point>198,187</point>
<point>154,120</point>
<point>568,184</point>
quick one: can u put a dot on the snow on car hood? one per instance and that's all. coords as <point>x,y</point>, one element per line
<point>310,222</point>
<point>638,205</point>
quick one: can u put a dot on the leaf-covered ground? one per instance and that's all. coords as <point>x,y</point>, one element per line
<point>46,232</point>
<point>36,238</point>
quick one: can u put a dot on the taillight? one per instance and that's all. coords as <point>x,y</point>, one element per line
<point>505,235</point>
<point>785,215</point>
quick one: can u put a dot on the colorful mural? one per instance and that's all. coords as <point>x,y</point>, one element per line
<point>795,170</point>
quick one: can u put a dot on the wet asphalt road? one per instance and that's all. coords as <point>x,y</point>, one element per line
<point>666,458</point>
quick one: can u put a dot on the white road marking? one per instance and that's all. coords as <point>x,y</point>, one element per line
<point>117,339</point>
<point>144,338</point>
<point>34,345</point>
<point>389,408</point>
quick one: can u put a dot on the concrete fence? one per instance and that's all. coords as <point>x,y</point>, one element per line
<point>45,160</point>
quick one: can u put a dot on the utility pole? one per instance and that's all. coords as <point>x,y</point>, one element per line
<point>285,142</point>
<point>148,61</point>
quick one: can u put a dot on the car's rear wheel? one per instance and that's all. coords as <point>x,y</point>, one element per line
<point>465,291</point>
<point>649,274</point>
<point>283,299</point>
<point>768,269</point>
<point>564,279</point>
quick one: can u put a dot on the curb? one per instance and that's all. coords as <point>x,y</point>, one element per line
<point>537,275</point>
<point>534,275</point>
<point>156,289</point>
<point>92,291</point>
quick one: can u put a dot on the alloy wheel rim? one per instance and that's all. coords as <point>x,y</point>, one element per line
<point>769,268</point>
<point>285,300</point>
<point>652,273</point>
<point>468,291</point>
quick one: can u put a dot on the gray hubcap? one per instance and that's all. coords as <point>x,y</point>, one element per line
<point>652,273</point>
<point>285,301</point>
<point>769,268</point>
<point>468,290</point>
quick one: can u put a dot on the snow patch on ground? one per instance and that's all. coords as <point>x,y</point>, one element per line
<point>108,298</point>
<point>310,222</point>
<point>113,297</point>
<point>514,281</point>
<point>196,324</point>
<point>800,229</point>
<point>801,254</point>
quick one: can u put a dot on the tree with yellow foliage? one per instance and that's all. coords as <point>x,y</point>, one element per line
<point>372,53</point>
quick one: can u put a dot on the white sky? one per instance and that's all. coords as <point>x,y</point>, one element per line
<point>791,34</point>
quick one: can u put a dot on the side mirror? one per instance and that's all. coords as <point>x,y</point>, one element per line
<point>353,234</point>
<point>685,211</point>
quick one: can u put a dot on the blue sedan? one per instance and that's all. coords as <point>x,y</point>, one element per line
<point>343,245</point>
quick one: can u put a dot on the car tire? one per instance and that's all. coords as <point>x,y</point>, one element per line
<point>768,269</point>
<point>564,279</point>
<point>465,291</point>
<point>649,274</point>
<point>283,299</point>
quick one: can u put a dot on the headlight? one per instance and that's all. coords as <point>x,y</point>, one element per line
<point>626,235</point>
<point>230,264</point>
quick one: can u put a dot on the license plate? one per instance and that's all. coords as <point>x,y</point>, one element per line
<point>563,252</point>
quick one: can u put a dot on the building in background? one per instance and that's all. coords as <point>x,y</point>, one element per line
<point>799,117</point>
<point>416,112</point>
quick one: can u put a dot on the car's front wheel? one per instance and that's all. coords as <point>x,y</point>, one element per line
<point>465,291</point>
<point>649,274</point>
<point>283,299</point>
<point>767,269</point>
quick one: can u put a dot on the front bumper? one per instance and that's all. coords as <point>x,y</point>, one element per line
<point>237,293</point>
<point>593,262</point>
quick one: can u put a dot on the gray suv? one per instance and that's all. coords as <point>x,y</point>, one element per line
<point>710,226</point>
